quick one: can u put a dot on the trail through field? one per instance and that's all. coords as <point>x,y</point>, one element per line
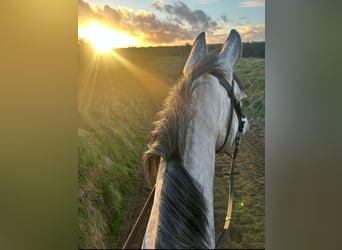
<point>247,227</point>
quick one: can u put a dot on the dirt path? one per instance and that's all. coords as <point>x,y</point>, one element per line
<point>247,228</point>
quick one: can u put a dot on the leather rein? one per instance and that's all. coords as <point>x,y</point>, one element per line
<point>235,106</point>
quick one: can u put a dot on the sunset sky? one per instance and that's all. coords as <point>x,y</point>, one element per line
<point>123,23</point>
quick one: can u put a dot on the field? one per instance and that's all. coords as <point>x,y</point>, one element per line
<point>118,96</point>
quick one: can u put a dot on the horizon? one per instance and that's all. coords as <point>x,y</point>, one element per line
<point>86,42</point>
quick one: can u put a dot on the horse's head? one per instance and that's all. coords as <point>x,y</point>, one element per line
<point>225,64</point>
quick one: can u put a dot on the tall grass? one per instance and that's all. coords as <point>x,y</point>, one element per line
<point>112,124</point>
<point>252,74</point>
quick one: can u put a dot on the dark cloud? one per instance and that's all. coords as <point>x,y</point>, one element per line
<point>243,20</point>
<point>197,19</point>
<point>156,30</point>
<point>226,19</point>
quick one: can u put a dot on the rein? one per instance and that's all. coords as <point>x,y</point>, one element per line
<point>235,106</point>
<point>138,222</point>
<point>231,192</point>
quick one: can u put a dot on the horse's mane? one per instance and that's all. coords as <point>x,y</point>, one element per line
<point>184,203</point>
<point>168,133</point>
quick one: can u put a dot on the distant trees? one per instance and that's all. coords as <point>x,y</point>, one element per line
<point>254,49</point>
<point>250,49</point>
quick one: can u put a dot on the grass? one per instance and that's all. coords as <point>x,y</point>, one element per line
<point>252,73</point>
<point>108,155</point>
<point>112,125</point>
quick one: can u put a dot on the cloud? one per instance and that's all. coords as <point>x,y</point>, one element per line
<point>253,3</point>
<point>243,20</point>
<point>157,4</point>
<point>226,19</point>
<point>207,1</point>
<point>86,11</point>
<point>249,33</point>
<point>252,32</point>
<point>197,19</point>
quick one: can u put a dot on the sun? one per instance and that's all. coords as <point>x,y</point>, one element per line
<point>104,39</point>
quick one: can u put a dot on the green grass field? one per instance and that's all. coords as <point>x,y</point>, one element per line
<point>252,73</point>
<point>114,115</point>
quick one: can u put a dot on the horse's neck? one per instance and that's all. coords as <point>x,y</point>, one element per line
<point>199,160</point>
<point>202,136</point>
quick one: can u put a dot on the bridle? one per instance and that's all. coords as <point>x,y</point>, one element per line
<point>235,106</point>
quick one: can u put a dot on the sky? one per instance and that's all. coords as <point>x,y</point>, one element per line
<point>168,22</point>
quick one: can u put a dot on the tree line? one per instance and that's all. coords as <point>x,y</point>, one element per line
<point>250,49</point>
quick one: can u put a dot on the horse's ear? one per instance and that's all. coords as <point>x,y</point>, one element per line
<point>231,50</point>
<point>198,52</point>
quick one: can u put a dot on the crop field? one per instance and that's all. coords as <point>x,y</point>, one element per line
<point>118,96</point>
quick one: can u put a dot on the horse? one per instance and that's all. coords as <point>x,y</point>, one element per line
<point>198,118</point>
